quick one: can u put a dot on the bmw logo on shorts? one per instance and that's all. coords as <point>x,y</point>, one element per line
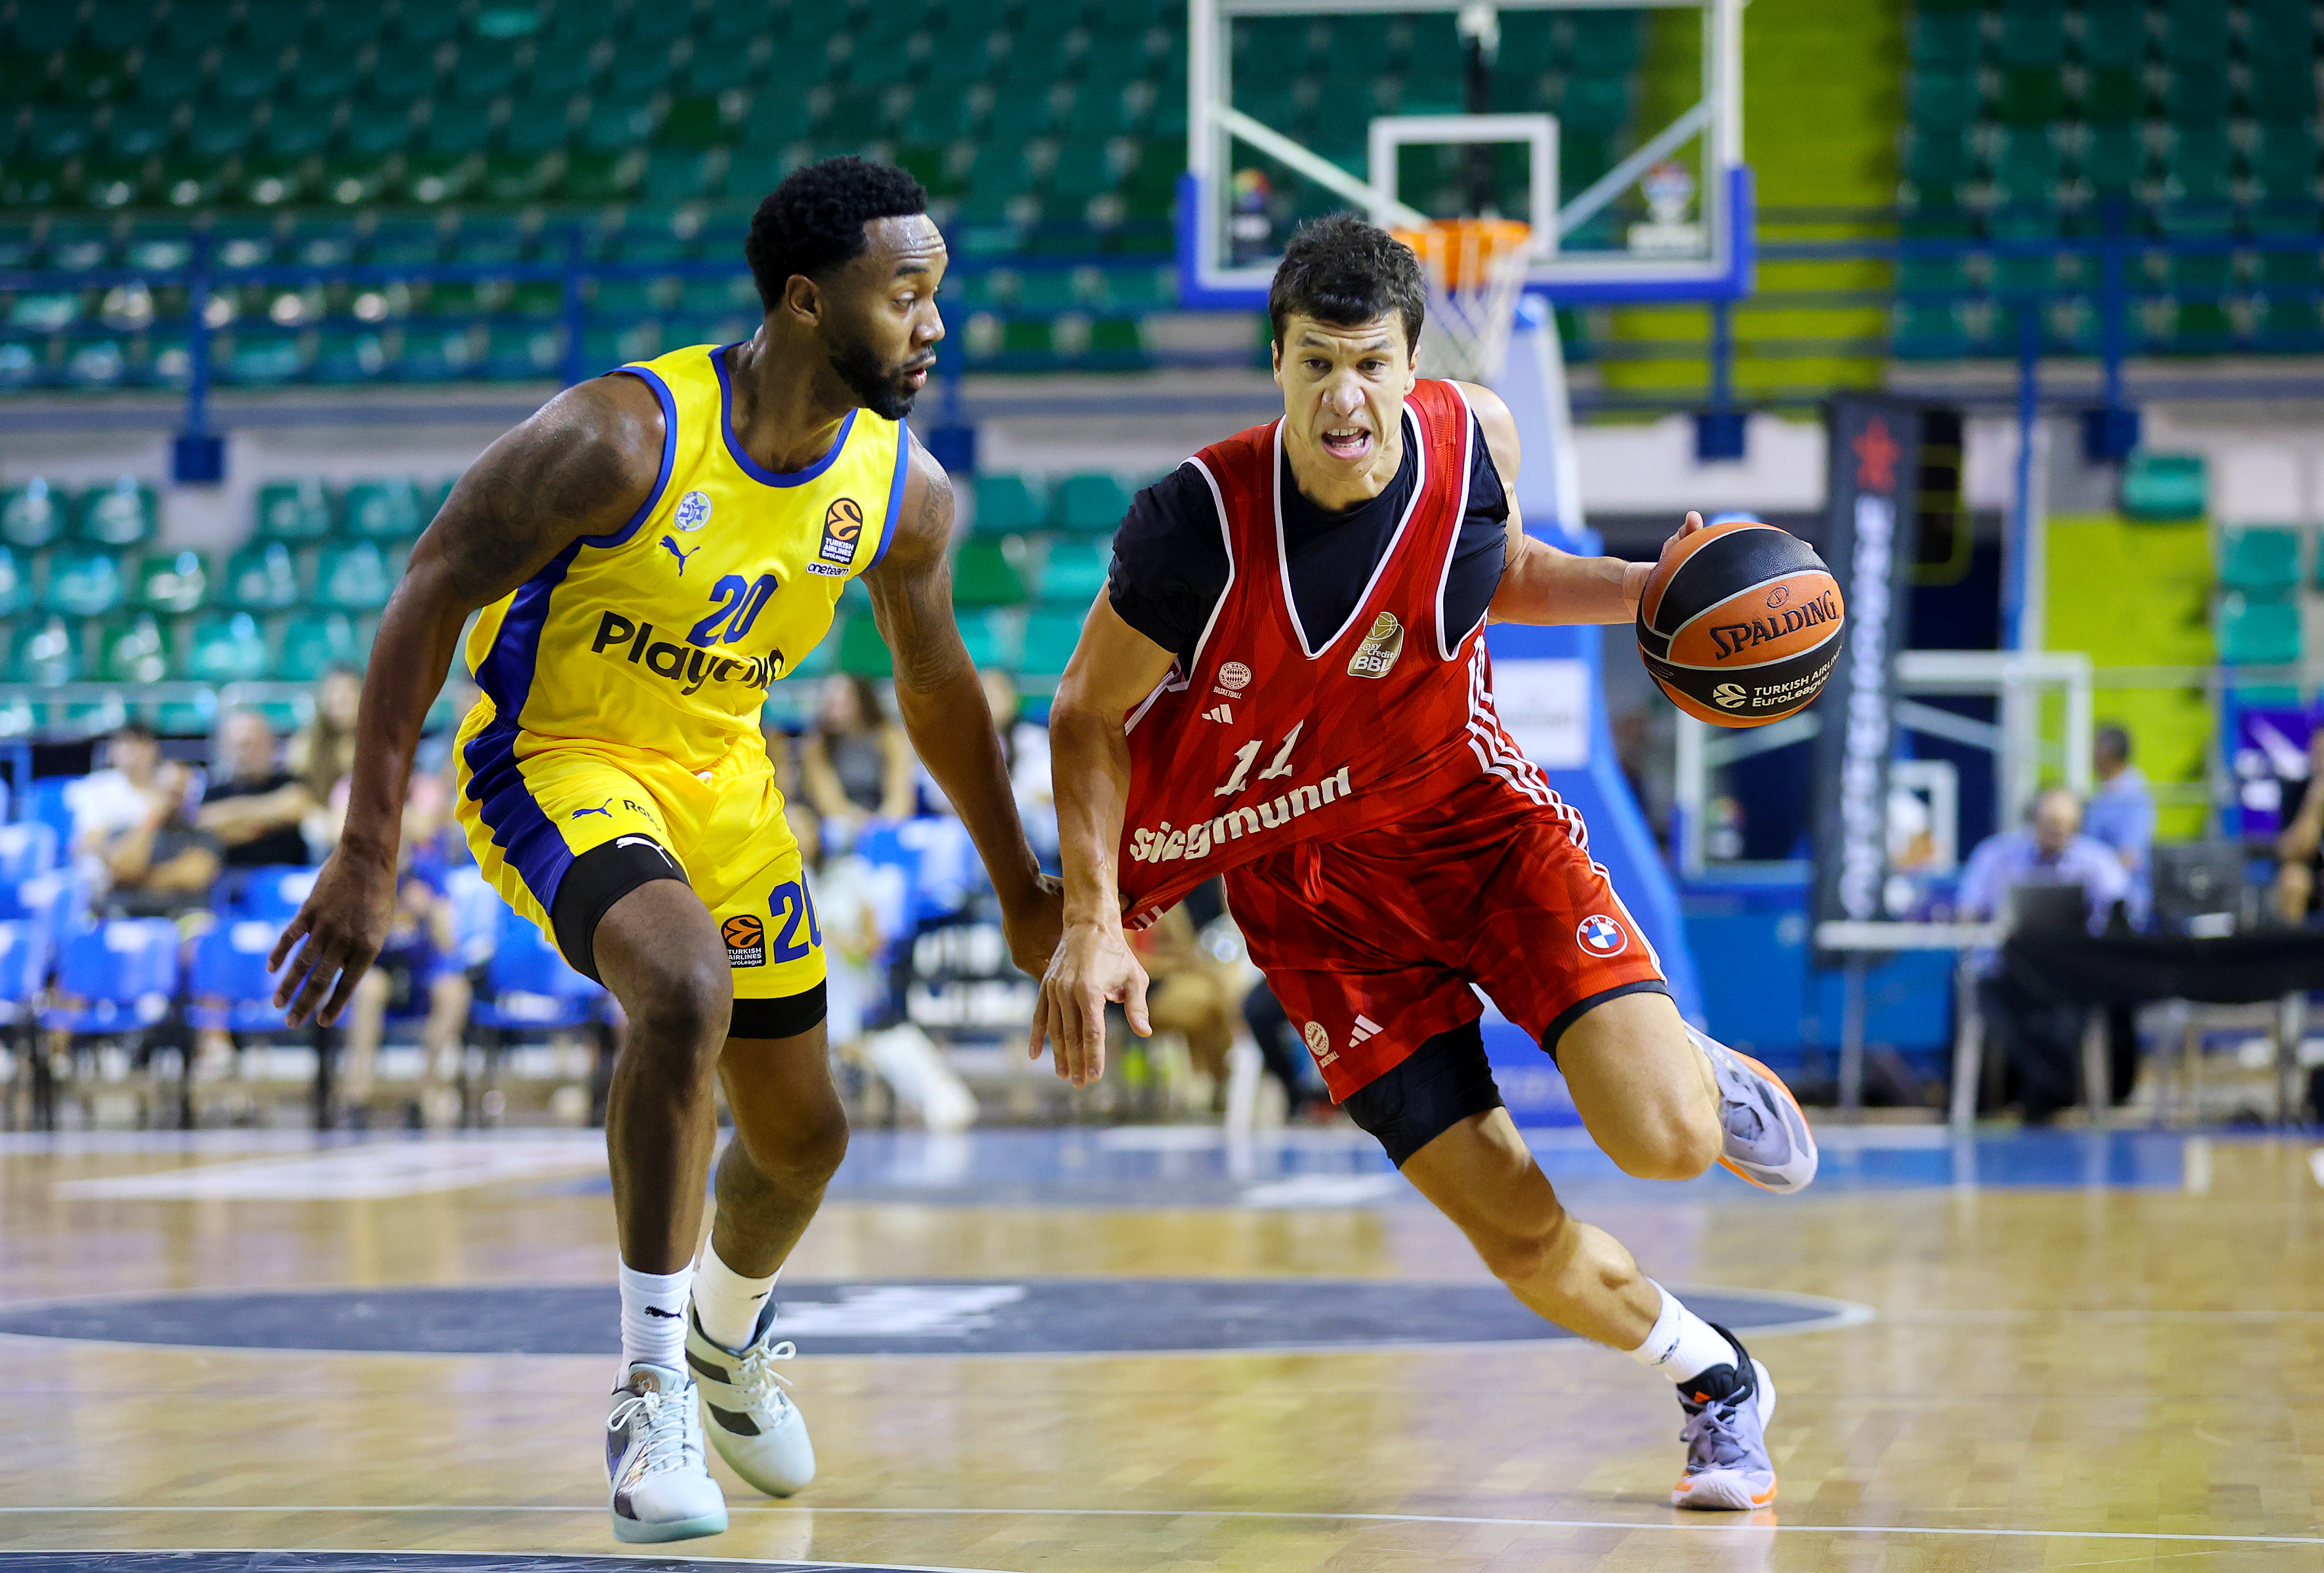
<point>694,511</point>
<point>1602,937</point>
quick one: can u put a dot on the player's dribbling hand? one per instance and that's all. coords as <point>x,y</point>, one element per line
<point>343,922</point>
<point>1033,928</point>
<point>1093,965</point>
<point>1634,576</point>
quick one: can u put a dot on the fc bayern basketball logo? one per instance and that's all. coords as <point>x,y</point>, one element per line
<point>1234,674</point>
<point>1602,937</point>
<point>693,510</point>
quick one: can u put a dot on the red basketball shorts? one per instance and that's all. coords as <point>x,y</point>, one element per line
<point>1373,942</point>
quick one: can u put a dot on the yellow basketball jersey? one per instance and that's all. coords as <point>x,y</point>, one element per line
<point>663,636</point>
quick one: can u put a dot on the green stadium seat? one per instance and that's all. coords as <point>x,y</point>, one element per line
<point>44,652</point>
<point>989,573</point>
<point>2032,97</point>
<point>121,514</point>
<point>2259,562</point>
<point>352,576</point>
<point>1051,633</point>
<point>32,515</point>
<point>1929,330</point>
<point>1006,505</point>
<point>2032,37</point>
<point>169,583</point>
<point>1944,98</point>
<point>226,647</point>
<point>261,577</point>
<point>82,584</point>
<point>2165,486</point>
<point>991,638</point>
<point>1073,571</point>
<point>387,509</point>
<point>15,586</point>
<point>1088,505</point>
<point>294,511</point>
<point>344,356</point>
<point>863,653</point>
<point>2258,632</point>
<point>133,650</point>
<point>2111,157</point>
<point>314,642</point>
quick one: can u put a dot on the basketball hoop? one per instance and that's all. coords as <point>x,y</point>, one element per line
<point>1476,268</point>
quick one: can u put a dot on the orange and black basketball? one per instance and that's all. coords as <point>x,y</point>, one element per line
<point>1741,624</point>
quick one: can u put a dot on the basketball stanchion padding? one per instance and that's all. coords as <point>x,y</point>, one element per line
<point>1741,625</point>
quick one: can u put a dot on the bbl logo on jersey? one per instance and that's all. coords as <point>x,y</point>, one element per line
<point>1602,937</point>
<point>843,526</point>
<point>692,511</point>
<point>746,941</point>
<point>1381,649</point>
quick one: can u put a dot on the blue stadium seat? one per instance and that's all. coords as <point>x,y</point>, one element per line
<point>530,989</point>
<point>24,950</point>
<point>27,850</point>
<point>117,977</point>
<point>58,901</point>
<point>478,914</point>
<point>272,894</point>
<point>47,802</point>
<point>228,986</point>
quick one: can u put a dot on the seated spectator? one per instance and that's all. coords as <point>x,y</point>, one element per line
<point>109,804</point>
<point>161,867</point>
<point>2121,816</point>
<point>418,972</point>
<point>2041,1037</point>
<point>1025,749</point>
<point>1283,1053</point>
<point>854,762</point>
<point>1191,993</point>
<point>2297,846</point>
<point>252,805</point>
<point>322,753</point>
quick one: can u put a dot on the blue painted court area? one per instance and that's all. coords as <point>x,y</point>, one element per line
<point>1132,1166</point>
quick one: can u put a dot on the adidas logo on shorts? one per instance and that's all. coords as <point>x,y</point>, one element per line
<point>1365,1028</point>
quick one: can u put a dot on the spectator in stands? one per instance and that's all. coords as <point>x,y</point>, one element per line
<point>110,804</point>
<point>854,762</point>
<point>161,867</point>
<point>421,970</point>
<point>2040,1035</point>
<point>2300,846</point>
<point>1284,1051</point>
<point>1025,746</point>
<point>1189,992</point>
<point>253,806</point>
<point>2121,812</point>
<point>323,753</point>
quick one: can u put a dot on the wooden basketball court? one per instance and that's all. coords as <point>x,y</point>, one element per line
<point>2052,1351</point>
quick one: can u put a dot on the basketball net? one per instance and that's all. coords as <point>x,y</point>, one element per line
<point>1476,268</point>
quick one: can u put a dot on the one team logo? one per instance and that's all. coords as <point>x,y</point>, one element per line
<point>1381,649</point>
<point>693,510</point>
<point>843,526</point>
<point>746,941</point>
<point>1319,1043</point>
<point>1234,674</point>
<point>1602,937</point>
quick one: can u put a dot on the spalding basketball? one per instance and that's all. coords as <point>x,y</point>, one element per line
<point>1741,624</point>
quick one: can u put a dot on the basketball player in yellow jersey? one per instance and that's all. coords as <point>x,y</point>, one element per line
<point>649,551</point>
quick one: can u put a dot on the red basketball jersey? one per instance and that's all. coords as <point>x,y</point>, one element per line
<point>1268,741</point>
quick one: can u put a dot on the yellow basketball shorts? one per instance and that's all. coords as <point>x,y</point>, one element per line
<point>564,831</point>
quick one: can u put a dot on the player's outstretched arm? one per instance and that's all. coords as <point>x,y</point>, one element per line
<point>1539,584</point>
<point>1114,667</point>
<point>944,711</point>
<point>581,467</point>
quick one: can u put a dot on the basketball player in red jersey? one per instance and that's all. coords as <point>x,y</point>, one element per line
<point>1286,683</point>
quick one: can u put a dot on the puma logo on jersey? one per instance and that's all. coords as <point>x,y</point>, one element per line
<point>1219,713</point>
<point>638,841</point>
<point>672,544</point>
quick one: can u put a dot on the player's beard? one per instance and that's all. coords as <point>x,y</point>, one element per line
<point>880,388</point>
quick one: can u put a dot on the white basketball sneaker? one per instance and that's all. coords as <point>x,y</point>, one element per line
<point>1767,1138</point>
<point>753,1421</point>
<point>1728,1466</point>
<point>661,1488</point>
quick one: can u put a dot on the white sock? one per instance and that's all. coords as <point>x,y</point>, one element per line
<point>728,1303</point>
<point>1683,1346</point>
<point>653,1317</point>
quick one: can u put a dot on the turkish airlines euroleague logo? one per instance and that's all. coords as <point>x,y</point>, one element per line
<point>746,941</point>
<point>843,526</point>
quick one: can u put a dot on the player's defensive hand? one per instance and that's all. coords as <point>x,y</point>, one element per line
<point>1034,926</point>
<point>1093,965</point>
<point>1634,577</point>
<point>343,923</point>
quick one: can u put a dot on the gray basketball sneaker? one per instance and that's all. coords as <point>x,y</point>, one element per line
<point>752,1420</point>
<point>1767,1139</point>
<point>1727,1409</point>
<point>660,1488</point>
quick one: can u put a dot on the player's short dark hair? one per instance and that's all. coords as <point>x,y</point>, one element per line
<point>2113,742</point>
<point>1341,269</point>
<point>813,221</point>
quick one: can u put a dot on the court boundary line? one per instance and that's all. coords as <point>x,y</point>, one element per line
<point>1700,1524</point>
<point>675,1559</point>
<point>1833,1314</point>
